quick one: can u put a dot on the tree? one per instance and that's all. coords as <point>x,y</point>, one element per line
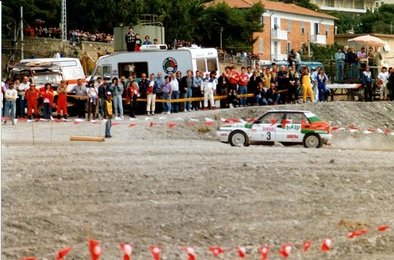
<point>238,25</point>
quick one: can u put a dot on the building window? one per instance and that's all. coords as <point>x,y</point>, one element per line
<point>276,26</point>
<point>330,3</point>
<point>327,30</point>
<point>316,28</point>
<point>359,4</point>
<point>288,47</point>
<point>289,26</point>
<point>302,27</point>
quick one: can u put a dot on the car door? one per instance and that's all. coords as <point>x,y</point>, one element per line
<point>290,128</point>
<point>265,128</point>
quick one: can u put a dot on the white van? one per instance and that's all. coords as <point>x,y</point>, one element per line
<point>156,58</point>
<point>70,70</point>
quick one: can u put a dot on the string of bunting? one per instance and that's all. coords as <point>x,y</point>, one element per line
<point>264,251</point>
<point>352,128</point>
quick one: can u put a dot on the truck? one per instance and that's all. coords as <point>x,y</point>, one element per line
<point>155,59</point>
<point>49,70</point>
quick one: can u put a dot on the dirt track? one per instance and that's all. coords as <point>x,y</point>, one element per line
<point>180,187</point>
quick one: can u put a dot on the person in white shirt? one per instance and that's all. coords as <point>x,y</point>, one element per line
<point>208,88</point>
<point>21,88</point>
<point>10,103</point>
<point>175,92</point>
<point>383,77</point>
<point>314,83</point>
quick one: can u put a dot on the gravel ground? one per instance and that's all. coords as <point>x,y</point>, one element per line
<point>169,182</point>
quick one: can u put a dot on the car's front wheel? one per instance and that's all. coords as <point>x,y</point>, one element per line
<point>312,141</point>
<point>238,138</point>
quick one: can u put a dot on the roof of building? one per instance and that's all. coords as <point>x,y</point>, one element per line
<point>278,6</point>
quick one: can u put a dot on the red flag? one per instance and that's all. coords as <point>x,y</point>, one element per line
<point>95,249</point>
<point>171,124</point>
<point>326,245</point>
<point>383,228</point>
<point>132,124</point>
<point>127,250</point>
<point>307,245</point>
<point>191,254</point>
<point>334,128</point>
<point>357,233</point>
<point>155,252</point>
<point>209,123</point>
<point>264,252</point>
<point>241,252</point>
<point>63,252</point>
<point>191,123</point>
<point>216,251</point>
<point>76,123</point>
<point>114,123</point>
<point>387,131</point>
<point>285,250</point>
<point>29,258</point>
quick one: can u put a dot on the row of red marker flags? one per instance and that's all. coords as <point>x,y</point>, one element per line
<point>210,122</point>
<point>264,251</point>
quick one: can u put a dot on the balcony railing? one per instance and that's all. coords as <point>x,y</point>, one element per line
<point>319,39</point>
<point>277,34</point>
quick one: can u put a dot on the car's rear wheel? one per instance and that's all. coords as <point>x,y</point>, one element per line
<point>312,141</point>
<point>238,138</point>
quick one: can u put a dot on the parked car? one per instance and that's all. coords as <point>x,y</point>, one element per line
<point>284,126</point>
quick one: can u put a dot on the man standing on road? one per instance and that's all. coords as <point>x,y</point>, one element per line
<point>22,87</point>
<point>187,83</point>
<point>117,98</point>
<point>10,103</point>
<point>80,95</point>
<point>108,114</point>
<point>102,89</point>
<point>174,93</point>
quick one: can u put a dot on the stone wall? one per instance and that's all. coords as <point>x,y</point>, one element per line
<point>38,47</point>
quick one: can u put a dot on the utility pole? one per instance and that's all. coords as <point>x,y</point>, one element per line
<point>63,23</point>
<point>22,50</point>
<point>221,38</point>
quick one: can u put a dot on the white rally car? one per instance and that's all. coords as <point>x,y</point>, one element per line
<point>284,126</point>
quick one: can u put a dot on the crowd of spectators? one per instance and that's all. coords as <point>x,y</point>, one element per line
<point>137,94</point>
<point>74,36</point>
<point>365,67</point>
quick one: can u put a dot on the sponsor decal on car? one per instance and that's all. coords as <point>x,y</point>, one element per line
<point>292,136</point>
<point>293,127</point>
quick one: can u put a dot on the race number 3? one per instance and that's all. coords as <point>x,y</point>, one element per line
<point>268,136</point>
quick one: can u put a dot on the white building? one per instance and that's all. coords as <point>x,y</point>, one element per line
<point>349,6</point>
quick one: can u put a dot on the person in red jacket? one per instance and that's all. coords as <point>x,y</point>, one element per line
<point>233,79</point>
<point>32,94</point>
<point>243,86</point>
<point>62,100</point>
<point>47,96</point>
